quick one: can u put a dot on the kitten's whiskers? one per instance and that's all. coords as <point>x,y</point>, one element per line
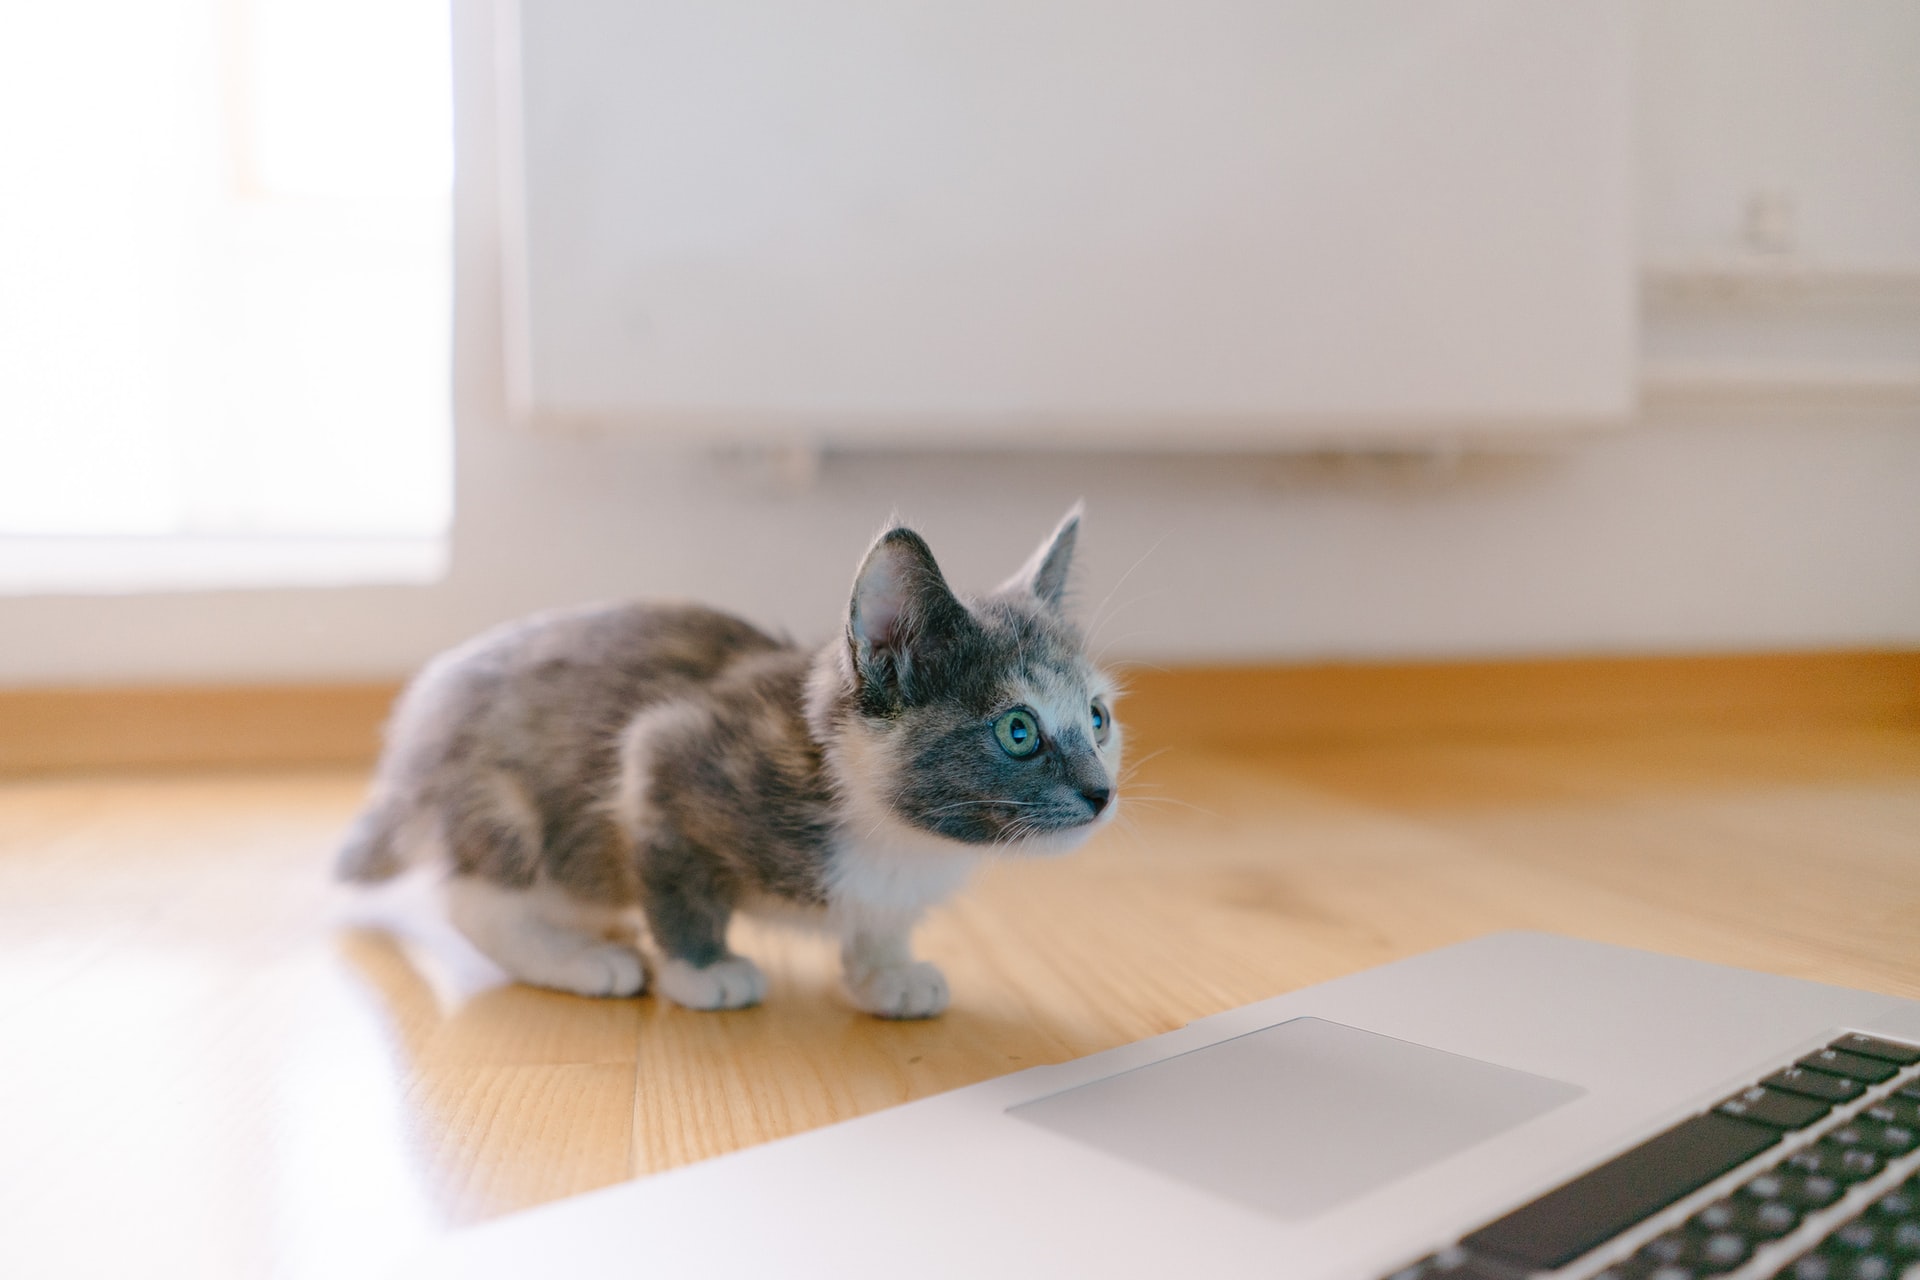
<point>1096,622</point>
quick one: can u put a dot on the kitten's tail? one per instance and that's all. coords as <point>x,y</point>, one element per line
<point>373,850</point>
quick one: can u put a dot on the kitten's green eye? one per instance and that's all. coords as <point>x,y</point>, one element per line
<point>1101,722</point>
<point>1018,732</point>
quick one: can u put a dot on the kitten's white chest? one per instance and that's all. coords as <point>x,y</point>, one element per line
<point>893,874</point>
<point>882,882</point>
<point>882,871</point>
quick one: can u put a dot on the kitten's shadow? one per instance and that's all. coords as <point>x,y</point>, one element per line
<point>516,1096</point>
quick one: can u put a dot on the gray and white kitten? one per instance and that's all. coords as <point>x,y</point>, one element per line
<point>667,762</point>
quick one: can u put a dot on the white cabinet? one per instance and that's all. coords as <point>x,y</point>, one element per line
<point>1107,223</point>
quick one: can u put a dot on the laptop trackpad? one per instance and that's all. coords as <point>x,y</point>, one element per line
<point>1299,1117</point>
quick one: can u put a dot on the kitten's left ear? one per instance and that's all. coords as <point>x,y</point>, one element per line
<point>1045,574</point>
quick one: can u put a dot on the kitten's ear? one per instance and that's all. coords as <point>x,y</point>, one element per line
<point>902,614</point>
<point>1045,574</point>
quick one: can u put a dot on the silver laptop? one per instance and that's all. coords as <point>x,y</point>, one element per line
<point>1521,1104</point>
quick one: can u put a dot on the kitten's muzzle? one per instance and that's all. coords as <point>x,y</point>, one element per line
<point>1097,798</point>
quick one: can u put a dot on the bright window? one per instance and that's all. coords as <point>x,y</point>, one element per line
<point>224,282</point>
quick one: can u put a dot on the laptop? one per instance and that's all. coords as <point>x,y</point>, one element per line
<point>1518,1105</point>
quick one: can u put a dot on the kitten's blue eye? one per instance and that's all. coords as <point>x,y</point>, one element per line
<point>1101,722</point>
<point>1018,732</point>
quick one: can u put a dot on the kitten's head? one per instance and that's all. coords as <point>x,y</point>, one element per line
<point>980,721</point>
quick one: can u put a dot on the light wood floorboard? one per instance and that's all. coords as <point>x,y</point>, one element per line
<point>214,1064</point>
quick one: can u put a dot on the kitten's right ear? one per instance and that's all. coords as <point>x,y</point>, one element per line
<point>902,612</point>
<point>1044,575</point>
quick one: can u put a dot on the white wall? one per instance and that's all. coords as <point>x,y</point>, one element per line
<point>1816,102</point>
<point>1711,525</point>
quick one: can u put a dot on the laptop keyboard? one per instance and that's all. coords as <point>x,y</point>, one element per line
<point>1838,1200</point>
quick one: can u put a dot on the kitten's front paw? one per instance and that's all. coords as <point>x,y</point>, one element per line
<point>916,990</point>
<point>732,983</point>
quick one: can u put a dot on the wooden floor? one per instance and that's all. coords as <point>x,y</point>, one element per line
<point>213,1064</point>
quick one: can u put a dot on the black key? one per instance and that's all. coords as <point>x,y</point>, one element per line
<point>1722,1251</point>
<point>1853,1066</point>
<point>1757,1218</point>
<point>1699,1253</point>
<point>1830,1159</point>
<point>1598,1205</point>
<point>1896,1206</point>
<point>1906,1239</point>
<point>1869,1134</point>
<point>1896,1110</point>
<point>1675,1246</point>
<point>1813,1191</point>
<point>1811,1267</point>
<point>1894,1139</point>
<point>1791,1187</point>
<point>1774,1109</point>
<point>1816,1084</point>
<point>1858,1166</point>
<point>1904,1054</point>
<point>1857,1236</point>
<point>1771,1220</point>
<point>1851,1263</point>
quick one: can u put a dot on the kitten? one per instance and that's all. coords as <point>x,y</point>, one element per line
<point>573,768</point>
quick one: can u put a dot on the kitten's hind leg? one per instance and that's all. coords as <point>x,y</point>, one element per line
<point>540,936</point>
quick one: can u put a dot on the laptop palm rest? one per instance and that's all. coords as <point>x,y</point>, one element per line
<point>1298,1117</point>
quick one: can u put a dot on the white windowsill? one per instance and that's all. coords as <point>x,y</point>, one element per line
<point>123,565</point>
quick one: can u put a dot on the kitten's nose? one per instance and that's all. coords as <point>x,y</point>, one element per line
<point>1097,797</point>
